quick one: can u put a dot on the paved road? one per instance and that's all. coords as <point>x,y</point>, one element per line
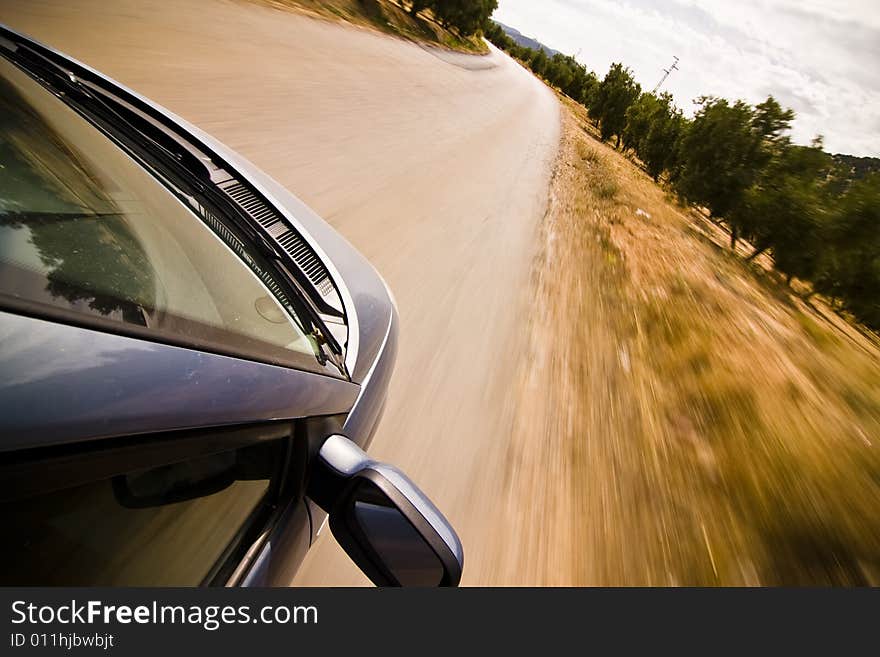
<point>435,165</point>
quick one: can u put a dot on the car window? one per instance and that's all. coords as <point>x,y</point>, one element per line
<point>157,525</point>
<point>85,229</point>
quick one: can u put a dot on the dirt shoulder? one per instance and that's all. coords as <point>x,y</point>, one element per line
<point>386,16</point>
<point>682,417</point>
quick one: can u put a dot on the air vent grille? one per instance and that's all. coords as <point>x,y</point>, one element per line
<point>235,244</point>
<point>290,241</point>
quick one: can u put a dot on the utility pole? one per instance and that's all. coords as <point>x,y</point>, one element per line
<point>666,72</point>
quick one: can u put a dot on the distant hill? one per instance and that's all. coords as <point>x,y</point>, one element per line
<point>858,167</point>
<point>528,42</point>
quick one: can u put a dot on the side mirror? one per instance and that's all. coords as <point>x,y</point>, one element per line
<point>388,527</point>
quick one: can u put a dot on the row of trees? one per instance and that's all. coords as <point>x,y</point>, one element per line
<point>820,222</point>
<point>467,17</point>
<point>562,71</point>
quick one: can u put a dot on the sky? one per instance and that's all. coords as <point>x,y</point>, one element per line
<point>819,57</point>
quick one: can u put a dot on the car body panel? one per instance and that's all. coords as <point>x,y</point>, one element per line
<point>363,420</point>
<point>63,383</point>
<point>285,547</point>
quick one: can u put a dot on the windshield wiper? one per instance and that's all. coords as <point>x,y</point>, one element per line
<point>176,164</point>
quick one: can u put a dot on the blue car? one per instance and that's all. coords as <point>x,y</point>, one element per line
<point>192,362</point>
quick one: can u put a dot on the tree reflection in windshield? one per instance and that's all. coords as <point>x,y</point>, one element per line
<point>85,251</point>
<point>85,228</point>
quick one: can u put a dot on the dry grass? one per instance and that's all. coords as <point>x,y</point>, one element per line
<point>683,417</point>
<point>386,16</point>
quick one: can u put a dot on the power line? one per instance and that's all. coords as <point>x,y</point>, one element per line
<point>666,72</point>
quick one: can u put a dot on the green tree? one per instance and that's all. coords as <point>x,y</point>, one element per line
<point>617,91</point>
<point>784,210</point>
<point>853,251</point>
<point>784,170</point>
<point>538,62</point>
<point>588,86</point>
<point>639,118</point>
<point>660,146</point>
<point>466,16</point>
<point>522,53</point>
<point>560,72</point>
<point>720,158</point>
<point>496,34</point>
<point>771,124</point>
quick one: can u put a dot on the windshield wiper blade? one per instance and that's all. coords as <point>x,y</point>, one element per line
<point>167,152</point>
<point>91,97</point>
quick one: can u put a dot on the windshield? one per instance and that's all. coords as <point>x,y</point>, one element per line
<point>85,229</point>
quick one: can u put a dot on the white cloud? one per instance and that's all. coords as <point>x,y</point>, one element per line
<point>820,57</point>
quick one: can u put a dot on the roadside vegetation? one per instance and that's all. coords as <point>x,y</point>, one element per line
<point>453,24</point>
<point>709,403</point>
<point>699,400</point>
<point>815,215</point>
<point>691,420</point>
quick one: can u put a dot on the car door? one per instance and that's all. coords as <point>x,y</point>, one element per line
<point>172,510</point>
<point>120,455</point>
